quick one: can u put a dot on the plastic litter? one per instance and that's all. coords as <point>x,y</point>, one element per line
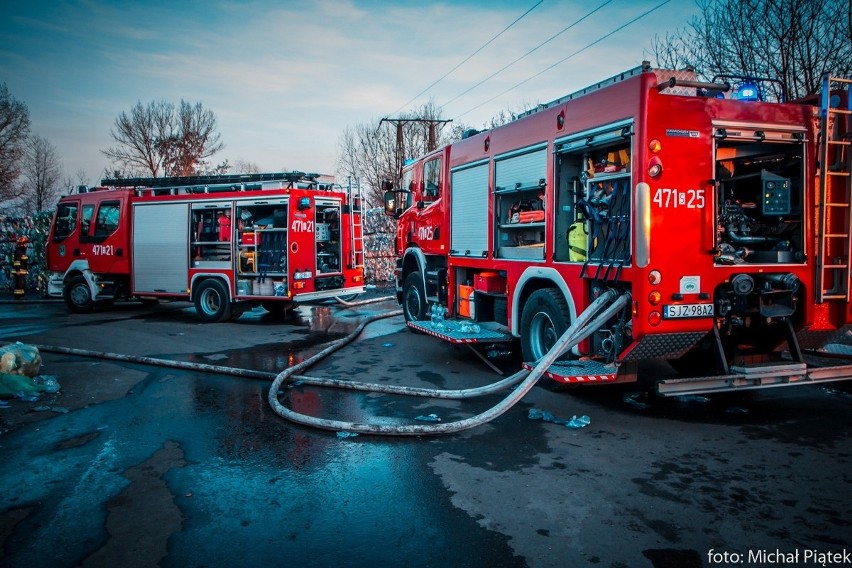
<point>578,422</point>
<point>545,416</point>
<point>428,418</point>
<point>343,435</point>
<point>387,344</point>
<point>26,388</point>
<point>469,328</point>
<point>48,383</point>
<point>20,359</point>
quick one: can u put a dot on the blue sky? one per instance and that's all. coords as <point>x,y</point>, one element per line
<point>285,78</point>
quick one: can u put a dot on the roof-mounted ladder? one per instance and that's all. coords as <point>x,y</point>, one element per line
<point>835,195</point>
<point>217,183</point>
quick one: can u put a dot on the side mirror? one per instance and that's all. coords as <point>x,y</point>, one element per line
<point>390,202</point>
<point>396,201</point>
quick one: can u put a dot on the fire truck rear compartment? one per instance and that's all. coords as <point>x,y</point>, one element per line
<point>759,197</point>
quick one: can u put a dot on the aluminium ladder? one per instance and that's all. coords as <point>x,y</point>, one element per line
<point>356,224</point>
<point>835,199</point>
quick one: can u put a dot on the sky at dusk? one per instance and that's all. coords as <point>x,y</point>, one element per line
<point>286,78</point>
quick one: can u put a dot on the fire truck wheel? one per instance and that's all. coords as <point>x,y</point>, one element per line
<point>543,321</point>
<point>212,303</point>
<point>413,298</point>
<point>77,296</point>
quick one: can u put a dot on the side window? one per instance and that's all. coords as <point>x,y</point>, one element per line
<point>66,221</point>
<point>106,222</point>
<point>88,211</point>
<point>431,180</point>
<point>407,178</point>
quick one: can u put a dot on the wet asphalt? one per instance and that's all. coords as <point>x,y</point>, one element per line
<point>139,465</point>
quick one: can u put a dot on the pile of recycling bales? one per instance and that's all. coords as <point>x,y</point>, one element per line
<point>20,365</point>
<point>34,230</point>
<point>379,257</point>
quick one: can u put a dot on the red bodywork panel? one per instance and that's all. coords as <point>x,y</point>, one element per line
<point>284,244</point>
<point>716,222</point>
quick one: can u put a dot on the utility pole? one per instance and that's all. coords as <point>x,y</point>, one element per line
<point>431,142</point>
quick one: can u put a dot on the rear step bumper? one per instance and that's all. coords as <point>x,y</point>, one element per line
<point>756,377</point>
<point>578,371</point>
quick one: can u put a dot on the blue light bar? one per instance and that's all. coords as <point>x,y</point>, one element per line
<point>748,92</point>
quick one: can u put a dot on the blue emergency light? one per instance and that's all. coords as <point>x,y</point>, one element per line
<point>748,92</point>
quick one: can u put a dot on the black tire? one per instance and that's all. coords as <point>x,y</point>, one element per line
<point>212,303</point>
<point>414,306</point>
<point>77,296</point>
<point>543,321</point>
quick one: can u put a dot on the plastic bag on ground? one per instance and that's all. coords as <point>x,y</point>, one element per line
<point>26,388</point>
<point>545,416</point>
<point>578,422</point>
<point>48,383</point>
<point>20,359</point>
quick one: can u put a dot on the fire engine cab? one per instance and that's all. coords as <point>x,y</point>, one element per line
<point>225,243</point>
<point>720,219</point>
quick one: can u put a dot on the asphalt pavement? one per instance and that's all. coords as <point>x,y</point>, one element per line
<point>133,464</point>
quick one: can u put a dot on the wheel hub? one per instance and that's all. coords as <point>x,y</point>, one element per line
<point>543,336</point>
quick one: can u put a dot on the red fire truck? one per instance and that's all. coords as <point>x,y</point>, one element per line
<point>724,217</point>
<point>225,243</point>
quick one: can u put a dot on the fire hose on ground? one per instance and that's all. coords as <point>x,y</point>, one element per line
<point>581,328</point>
<point>587,323</point>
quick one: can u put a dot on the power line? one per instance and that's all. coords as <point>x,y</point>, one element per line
<point>542,44</point>
<point>469,57</point>
<point>561,61</point>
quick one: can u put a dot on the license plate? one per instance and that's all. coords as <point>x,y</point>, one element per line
<point>674,311</point>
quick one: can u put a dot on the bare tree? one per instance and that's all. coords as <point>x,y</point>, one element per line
<point>368,151</point>
<point>158,139</point>
<point>14,130</point>
<point>794,41</point>
<point>80,178</point>
<point>42,173</point>
<point>245,167</point>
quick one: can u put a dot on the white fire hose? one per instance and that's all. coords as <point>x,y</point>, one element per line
<point>582,327</point>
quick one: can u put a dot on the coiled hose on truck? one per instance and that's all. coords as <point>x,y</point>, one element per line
<point>581,328</point>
